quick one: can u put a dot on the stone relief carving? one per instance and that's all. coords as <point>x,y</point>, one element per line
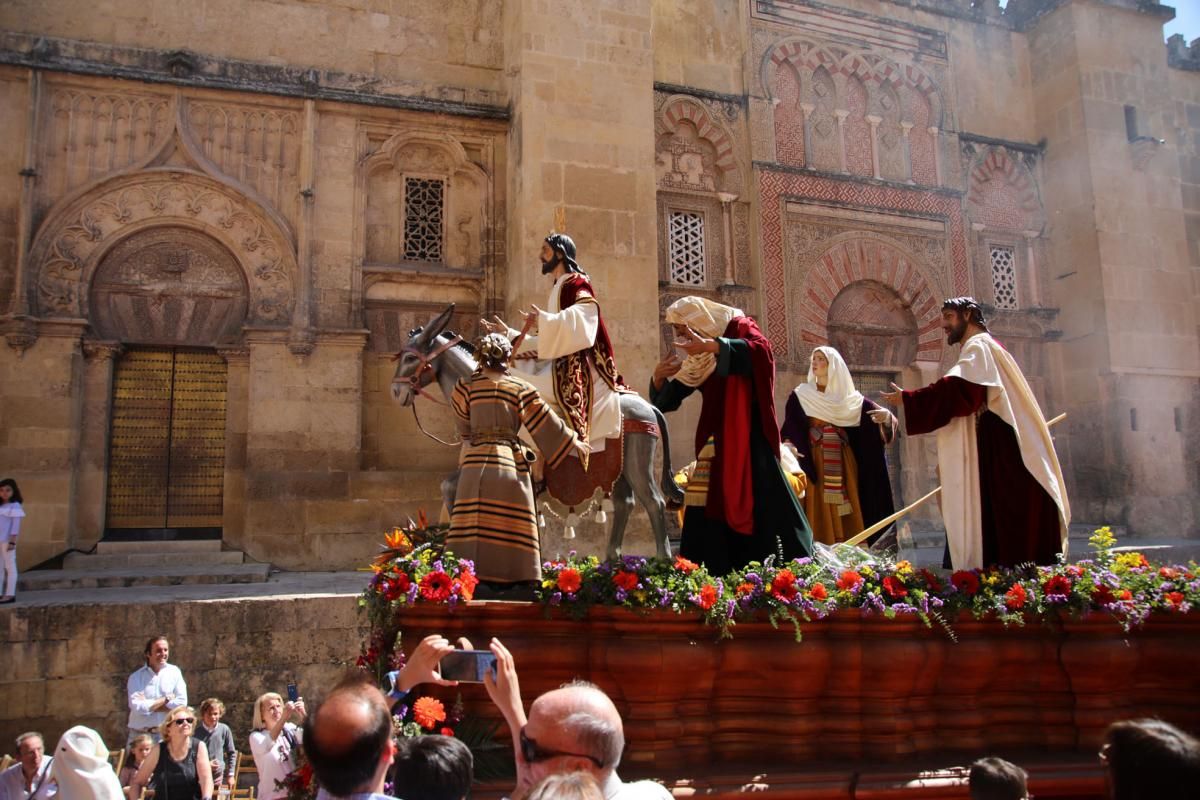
<point>168,286</point>
<point>257,145</point>
<point>694,148</point>
<point>71,244</point>
<point>87,134</point>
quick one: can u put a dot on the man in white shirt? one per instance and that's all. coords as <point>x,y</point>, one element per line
<point>154,690</point>
<point>29,778</point>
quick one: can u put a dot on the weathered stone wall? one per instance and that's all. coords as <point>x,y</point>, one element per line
<point>68,665</point>
<point>443,50</point>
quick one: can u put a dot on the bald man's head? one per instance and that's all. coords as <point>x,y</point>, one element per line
<point>348,737</point>
<point>579,718</point>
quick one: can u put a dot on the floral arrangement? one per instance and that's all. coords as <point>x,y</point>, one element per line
<point>414,567</point>
<point>1124,585</point>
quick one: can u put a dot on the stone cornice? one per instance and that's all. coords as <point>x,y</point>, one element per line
<point>185,68</point>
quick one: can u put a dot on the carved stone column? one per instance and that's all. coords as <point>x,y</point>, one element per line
<point>906,129</point>
<point>807,109</point>
<point>841,115</point>
<point>301,342</point>
<point>1034,285</point>
<point>874,123</point>
<point>237,402</point>
<point>91,486</point>
<point>727,218</point>
<point>937,155</point>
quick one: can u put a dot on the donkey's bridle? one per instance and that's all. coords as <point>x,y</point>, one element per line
<point>424,373</point>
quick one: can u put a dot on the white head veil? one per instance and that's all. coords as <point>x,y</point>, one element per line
<point>707,318</point>
<point>840,403</point>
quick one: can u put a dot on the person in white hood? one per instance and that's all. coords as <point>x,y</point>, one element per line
<point>81,768</point>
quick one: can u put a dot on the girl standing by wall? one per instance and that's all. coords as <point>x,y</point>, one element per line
<point>10,526</point>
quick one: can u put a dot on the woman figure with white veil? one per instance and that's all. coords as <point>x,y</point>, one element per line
<point>839,437</point>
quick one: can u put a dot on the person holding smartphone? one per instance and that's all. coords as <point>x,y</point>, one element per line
<point>274,741</point>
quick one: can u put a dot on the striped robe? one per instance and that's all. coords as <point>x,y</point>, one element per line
<point>494,519</point>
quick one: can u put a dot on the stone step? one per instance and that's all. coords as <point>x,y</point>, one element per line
<point>151,555</point>
<point>49,579</point>
<point>163,546</point>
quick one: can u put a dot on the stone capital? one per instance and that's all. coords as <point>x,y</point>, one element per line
<point>726,197</point>
<point>874,120</point>
<point>841,114</point>
<point>99,350</point>
<point>807,108</point>
<point>234,354</point>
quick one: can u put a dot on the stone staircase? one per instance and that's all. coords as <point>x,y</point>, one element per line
<point>154,563</point>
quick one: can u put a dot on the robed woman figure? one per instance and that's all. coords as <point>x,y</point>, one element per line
<point>494,519</point>
<point>738,506</point>
<point>839,437</point>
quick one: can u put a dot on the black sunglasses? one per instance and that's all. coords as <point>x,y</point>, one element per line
<point>533,754</point>
<point>181,721</point>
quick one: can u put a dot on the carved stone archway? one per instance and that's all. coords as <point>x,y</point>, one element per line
<point>168,286</point>
<point>879,261</point>
<point>82,230</point>
<point>872,327</point>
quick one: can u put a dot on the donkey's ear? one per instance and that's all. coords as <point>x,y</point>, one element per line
<point>439,323</point>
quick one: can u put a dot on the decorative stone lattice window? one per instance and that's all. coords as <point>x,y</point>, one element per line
<point>685,237</point>
<point>1004,276</point>
<point>424,201</point>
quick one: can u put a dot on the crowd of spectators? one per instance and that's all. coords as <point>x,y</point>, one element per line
<point>568,746</point>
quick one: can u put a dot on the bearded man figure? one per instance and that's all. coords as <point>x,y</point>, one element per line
<point>570,358</point>
<point>1004,501</point>
<point>738,506</point>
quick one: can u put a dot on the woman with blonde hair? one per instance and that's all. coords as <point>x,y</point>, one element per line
<point>274,741</point>
<point>567,786</point>
<point>179,765</point>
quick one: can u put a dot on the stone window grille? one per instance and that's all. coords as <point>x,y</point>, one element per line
<point>685,237</point>
<point>1004,276</point>
<point>424,203</point>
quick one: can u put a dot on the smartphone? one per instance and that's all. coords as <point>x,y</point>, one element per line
<point>467,666</point>
<point>293,693</point>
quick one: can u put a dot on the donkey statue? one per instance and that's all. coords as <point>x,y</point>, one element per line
<point>434,354</point>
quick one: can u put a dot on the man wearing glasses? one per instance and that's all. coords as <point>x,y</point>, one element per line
<point>569,729</point>
<point>154,689</point>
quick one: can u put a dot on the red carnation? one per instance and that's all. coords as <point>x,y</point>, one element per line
<point>1170,573</point>
<point>626,580</point>
<point>1126,595</point>
<point>1102,596</point>
<point>849,580</point>
<point>569,580</point>
<point>1175,599</point>
<point>708,596</point>
<point>685,566</point>
<point>403,581</point>
<point>1057,584</point>
<point>819,592</point>
<point>966,582</point>
<point>1014,598</point>
<point>894,587</point>
<point>446,731</point>
<point>436,587</point>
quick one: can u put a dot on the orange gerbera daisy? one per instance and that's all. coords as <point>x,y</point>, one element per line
<point>428,712</point>
<point>569,580</point>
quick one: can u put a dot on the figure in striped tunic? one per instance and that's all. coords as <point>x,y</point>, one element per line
<point>494,518</point>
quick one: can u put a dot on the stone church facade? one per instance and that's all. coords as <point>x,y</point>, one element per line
<point>219,222</point>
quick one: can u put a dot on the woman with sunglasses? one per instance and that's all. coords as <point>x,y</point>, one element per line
<point>173,764</point>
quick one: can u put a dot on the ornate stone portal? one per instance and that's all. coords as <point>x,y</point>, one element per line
<point>168,286</point>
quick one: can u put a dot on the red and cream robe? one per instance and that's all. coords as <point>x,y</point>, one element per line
<point>570,361</point>
<point>1004,501</point>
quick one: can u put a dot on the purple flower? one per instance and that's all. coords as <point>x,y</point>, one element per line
<point>752,577</point>
<point>621,595</point>
<point>556,598</point>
